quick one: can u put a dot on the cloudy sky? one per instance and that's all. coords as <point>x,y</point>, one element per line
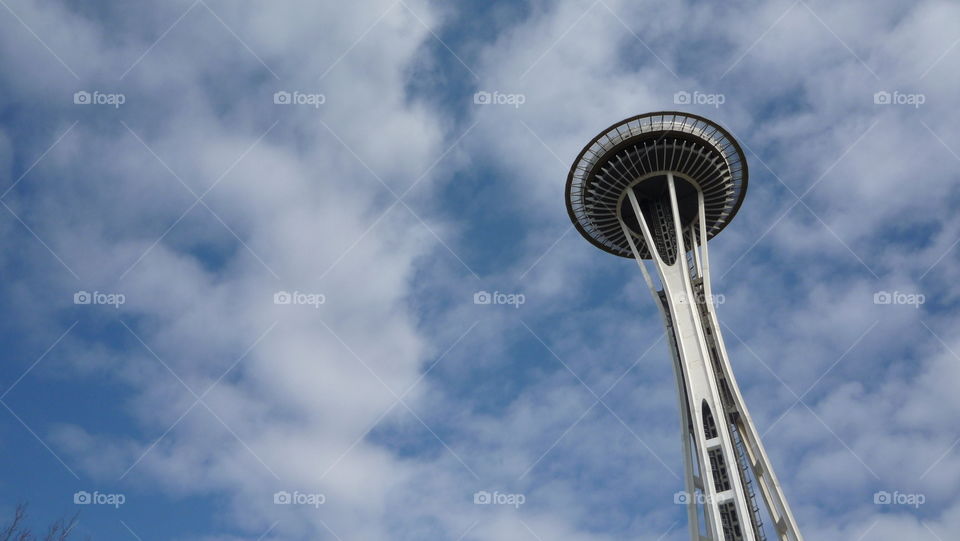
<point>242,242</point>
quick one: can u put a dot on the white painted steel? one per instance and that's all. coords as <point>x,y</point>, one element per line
<point>693,332</point>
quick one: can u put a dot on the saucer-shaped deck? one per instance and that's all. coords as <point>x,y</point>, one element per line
<point>698,152</point>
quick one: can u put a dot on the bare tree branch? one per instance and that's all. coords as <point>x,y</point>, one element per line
<point>17,530</point>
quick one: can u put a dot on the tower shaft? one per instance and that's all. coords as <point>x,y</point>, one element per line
<point>727,472</point>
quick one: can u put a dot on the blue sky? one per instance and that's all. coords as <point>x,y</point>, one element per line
<point>383,198</point>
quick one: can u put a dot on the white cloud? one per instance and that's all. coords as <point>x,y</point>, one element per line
<point>301,400</point>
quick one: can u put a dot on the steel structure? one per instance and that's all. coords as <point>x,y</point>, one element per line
<point>655,188</point>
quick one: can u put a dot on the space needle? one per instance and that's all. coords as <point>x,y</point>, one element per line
<point>655,188</point>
